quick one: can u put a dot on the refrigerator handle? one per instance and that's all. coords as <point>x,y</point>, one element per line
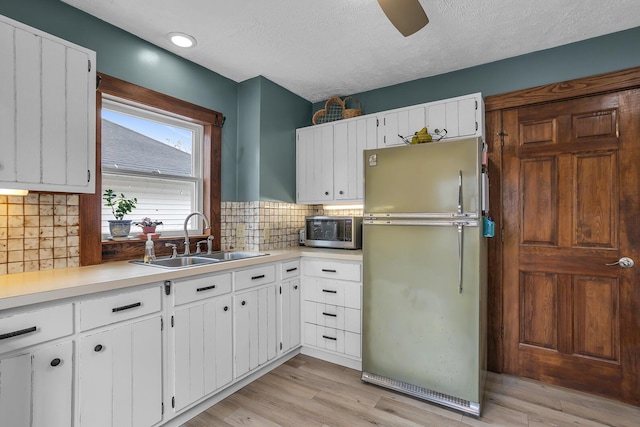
<point>460,257</point>
<point>460,193</point>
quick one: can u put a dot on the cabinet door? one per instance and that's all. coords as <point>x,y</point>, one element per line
<point>121,376</point>
<point>344,161</point>
<point>314,164</point>
<point>256,330</point>
<point>49,89</point>
<point>203,351</point>
<point>290,314</point>
<point>35,388</point>
<point>366,131</point>
<point>402,122</point>
<point>458,116</point>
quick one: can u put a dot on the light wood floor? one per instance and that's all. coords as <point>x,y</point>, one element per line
<point>310,392</point>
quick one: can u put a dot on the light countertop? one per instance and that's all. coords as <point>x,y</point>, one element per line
<point>22,289</point>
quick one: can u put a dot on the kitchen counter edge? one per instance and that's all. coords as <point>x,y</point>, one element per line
<point>22,289</point>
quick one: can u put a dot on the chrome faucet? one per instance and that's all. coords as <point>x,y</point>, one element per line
<point>186,233</point>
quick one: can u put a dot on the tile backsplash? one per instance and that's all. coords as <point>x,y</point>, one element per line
<point>39,232</point>
<point>259,226</point>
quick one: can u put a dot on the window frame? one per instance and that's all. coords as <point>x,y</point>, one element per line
<point>92,249</point>
<point>134,109</point>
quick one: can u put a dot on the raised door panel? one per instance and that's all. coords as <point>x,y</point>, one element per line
<point>15,390</point>
<point>437,117</point>
<point>341,160</point>
<point>366,139</point>
<point>28,95</point>
<point>285,316</point>
<point>468,121</point>
<point>123,376</point>
<point>272,327</point>
<point>242,337</point>
<point>96,380</point>
<point>295,318</point>
<point>324,163</point>
<point>52,385</point>
<point>56,158</point>
<point>263,326</point>
<point>8,105</point>
<point>304,165</point>
<point>182,357</point>
<point>146,381</point>
<point>224,340</point>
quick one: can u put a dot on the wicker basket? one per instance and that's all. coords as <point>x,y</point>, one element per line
<point>348,113</point>
<point>333,110</point>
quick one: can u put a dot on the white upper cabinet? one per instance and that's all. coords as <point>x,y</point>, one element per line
<point>47,111</point>
<point>329,157</point>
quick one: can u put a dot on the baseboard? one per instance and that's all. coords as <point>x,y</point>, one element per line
<point>338,359</point>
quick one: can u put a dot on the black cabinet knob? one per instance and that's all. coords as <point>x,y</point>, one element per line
<point>98,348</point>
<point>55,362</point>
<point>226,308</point>
<point>326,193</point>
<point>295,287</point>
<point>341,192</point>
<point>243,303</point>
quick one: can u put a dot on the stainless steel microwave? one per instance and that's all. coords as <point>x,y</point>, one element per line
<point>342,232</point>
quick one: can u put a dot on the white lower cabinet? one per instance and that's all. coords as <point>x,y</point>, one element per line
<point>255,328</point>
<point>121,375</point>
<point>35,387</point>
<point>203,361</point>
<point>290,315</point>
<point>332,306</point>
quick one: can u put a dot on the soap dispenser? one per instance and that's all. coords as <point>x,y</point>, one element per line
<point>149,253</point>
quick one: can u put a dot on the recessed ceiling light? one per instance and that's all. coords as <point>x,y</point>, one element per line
<point>181,39</point>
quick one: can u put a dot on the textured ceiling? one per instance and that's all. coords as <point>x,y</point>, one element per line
<point>321,48</point>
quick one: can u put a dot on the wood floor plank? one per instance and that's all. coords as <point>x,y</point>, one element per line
<point>307,392</point>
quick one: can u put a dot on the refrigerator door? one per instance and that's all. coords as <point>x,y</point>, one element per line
<point>424,179</point>
<point>417,327</point>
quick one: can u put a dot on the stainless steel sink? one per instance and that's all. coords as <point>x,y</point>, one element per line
<point>199,259</point>
<point>231,255</point>
<point>180,262</point>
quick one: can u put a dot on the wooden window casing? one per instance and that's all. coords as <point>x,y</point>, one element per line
<point>92,249</point>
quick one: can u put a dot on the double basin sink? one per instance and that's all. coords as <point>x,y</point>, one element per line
<point>199,259</point>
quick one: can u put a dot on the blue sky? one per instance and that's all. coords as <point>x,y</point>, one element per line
<point>170,135</point>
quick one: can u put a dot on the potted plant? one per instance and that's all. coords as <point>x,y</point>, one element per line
<point>120,206</point>
<point>148,225</point>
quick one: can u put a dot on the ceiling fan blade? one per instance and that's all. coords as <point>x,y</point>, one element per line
<point>407,16</point>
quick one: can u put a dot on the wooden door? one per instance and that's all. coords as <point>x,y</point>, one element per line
<point>571,206</point>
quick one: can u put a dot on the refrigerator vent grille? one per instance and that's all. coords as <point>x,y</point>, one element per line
<point>423,393</point>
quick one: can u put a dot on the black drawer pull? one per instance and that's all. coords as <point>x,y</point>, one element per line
<point>18,333</point>
<point>206,288</point>
<point>257,277</point>
<point>326,270</point>
<point>329,291</point>
<point>329,314</point>
<point>330,338</point>
<point>98,348</point>
<point>226,308</point>
<point>289,270</point>
<point>126,307</point>
<point>55,362</point>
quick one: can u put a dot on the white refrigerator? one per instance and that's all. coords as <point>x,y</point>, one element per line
<point>424,266</point>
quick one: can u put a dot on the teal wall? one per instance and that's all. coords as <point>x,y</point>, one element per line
<point>266,141</point>
<point>599,55</point>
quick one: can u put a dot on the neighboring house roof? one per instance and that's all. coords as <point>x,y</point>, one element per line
<point>133,151</point>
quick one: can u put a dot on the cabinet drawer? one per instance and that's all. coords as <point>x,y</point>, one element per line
<point>290,269</point>
<point>255,276</point>
<point>34,327</point>
<point>332,316</point>
<point>332,270</point>
<point>333,292</point>
<point>332,339</point>
<point>119,307</point>
<point>194,289</point>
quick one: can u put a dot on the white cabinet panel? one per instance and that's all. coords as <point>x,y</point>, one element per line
<point>47,117</point>
<point>203,349</point>
<point>36,387</point>
<point>255,328</point>
<point>121,376</point>
<point>290,315</point>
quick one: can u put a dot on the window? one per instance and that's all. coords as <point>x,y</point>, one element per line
<point>155,158</point>
<point>94,250</point>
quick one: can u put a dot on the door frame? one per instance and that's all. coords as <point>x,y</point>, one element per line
<point>495,105</point>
